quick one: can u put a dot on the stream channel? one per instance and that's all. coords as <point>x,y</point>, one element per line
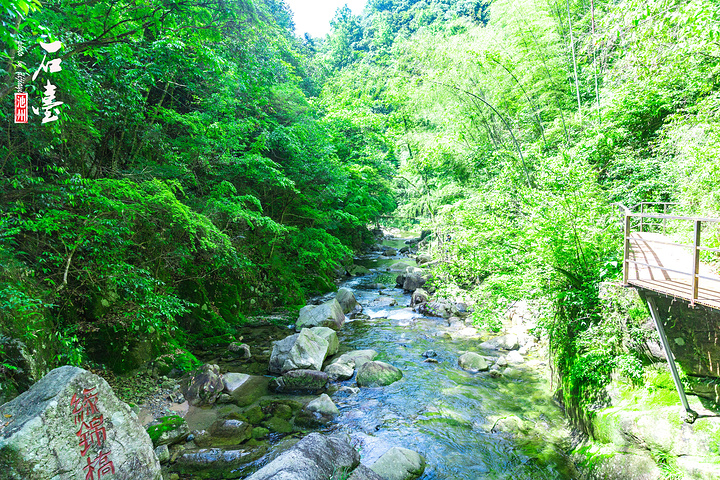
<point>440,410</point>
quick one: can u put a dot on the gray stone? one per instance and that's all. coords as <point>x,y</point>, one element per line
<point>383,301</point>
<point>355,358</point>
<point>419,297</point>
<point>329,314</point>
<point>429,353</point>
<point>205,386</point>
<point>241,350</point>
<point>38,433</point>
<point>228,431</point>
<point>414,279</point>
<point>324,406</point>
<point>301,380</point>
<point>167,430</point>
<point>162,453</point>
<point>506,342</point>
<point>223,463</point>
<point>330,336</point>
<point>399,463</point>
<point>514,358</point>
<point>304,350</point>
<point>423,259</point>
<point>364,473</point>
<point>377,374</point>
<point>232,381</point>
<point>339,371</point>
<point>501,361</point>
<point>314,457</point>
<point>346,298</point>
<point>472,362</point>
<point>389,252</point>
<point>252,388</point>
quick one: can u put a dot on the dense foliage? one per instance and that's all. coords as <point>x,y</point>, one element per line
<point>189,180</point>
<point>518,125</point>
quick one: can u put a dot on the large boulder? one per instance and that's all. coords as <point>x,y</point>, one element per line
<point>346,298</point>
<point>377,374</point>
<point>414,278</point>
<point>68,424</point>
<point>506,342</point>
<point>204,386</point>
<point>301,380</point>
<point>315,456</point>
<point>304,350</point>
<point>473,362</point>
<point>329,314</point>
<point>245,389</point>
<point>330,336</point>
<point>399,463</point>
<point>419,297</point>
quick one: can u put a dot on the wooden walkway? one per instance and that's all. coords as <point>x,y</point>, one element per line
<point>656,262</point>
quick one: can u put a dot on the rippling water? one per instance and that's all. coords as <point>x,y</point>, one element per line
<point>442,411</point>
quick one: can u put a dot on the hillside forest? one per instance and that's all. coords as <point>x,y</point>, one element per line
<point>208,165</point>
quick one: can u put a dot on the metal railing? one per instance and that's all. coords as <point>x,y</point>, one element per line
<point>639,219</point>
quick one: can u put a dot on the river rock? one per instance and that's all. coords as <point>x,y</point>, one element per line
<point>506,342</point>
<point>304,350</point>
<point>330,336</point>
<point>423,259</point>
<point>315,456</point>
<point>383,301</point>
<point>301,380</point>
<point>324,406</point>
<point>204,386</point>
<point>339,371</point>
<point>514,358</point>
<point>414,279</point>
<point>162,453</point>
<point>419,297</point>
<point>357,270</point>
<point>228,431</point>
<point>219,462</point>
<point>245,389</point>
<point>167,430</point>
<point>241,350</point>
<point>377,374</point>
<point>399,463</point>
<point>39,437</point>
<point>389,252</point>
<point>346,298</point>
<point>364,473</point>
<point>399,267</point>
<point>329,314</point>
<point>355,358</point>
<point>472,362</point>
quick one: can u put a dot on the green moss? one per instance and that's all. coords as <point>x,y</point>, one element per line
<point>279,425</point>
<point>170,422</point>
<point>254,414</point>
<point>259,432</point>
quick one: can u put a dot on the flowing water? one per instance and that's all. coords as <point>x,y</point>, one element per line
<point>442,411</point>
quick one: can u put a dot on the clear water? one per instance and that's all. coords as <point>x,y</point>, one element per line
<point>442,411</point>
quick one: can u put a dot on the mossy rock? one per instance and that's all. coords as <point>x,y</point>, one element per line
<point>167,430</point>
<point>278,425</point>
<point>260,433</point>
<point>254,414</point>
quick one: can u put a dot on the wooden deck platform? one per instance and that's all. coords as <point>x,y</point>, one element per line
<point>678,263</point>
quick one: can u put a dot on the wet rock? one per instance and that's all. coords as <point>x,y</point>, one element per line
<point>355,358</point>
<point>430,360</point>
<point>38,433</point>
<point>501,361</point>
<point>414,279</point>
<point>495,372</point>
<point>399,267</point>
<point>278,425</point>
<point>419,297</point>
<point>472,362</point>
<point>250,389</point>
<point>241,350</point>
<point>229,431</point>
<point>377,374</point>
<point>505,342</point>
<point>315,456</point>
<point>512,373</point>
<point>399,463</point>
<point>346,298</point>
<point>232,381</point>
<point>346,390</point>
<point>514,358</point>
<point>389,252</point>
<point>260,433</point>
<point>218,462</point>
<point>324,406</point>
<point>436,309</point>
<point>429,353</point>
<point>404,250</point>
<point>304,350</point>
<point>357,270</point>
<point>329,314</point>
<point>330,337</point>
<point>339,371</point>
<point>301,380</point>
<point>167,430</point>
<point>364,473</point>
<point>162,453</point>
<point>423,259</point>
<point>204,386</point>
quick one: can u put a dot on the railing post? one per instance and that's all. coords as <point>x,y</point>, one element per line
<point>696,262</point>
<point>626,250</point>
<point>642,217</point>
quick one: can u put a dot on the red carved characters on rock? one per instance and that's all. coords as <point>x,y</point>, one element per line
<point>91,434</point>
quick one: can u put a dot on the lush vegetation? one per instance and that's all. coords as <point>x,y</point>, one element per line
<point>518,125</point>
<point>208,164</point>
<point>190,180</point>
